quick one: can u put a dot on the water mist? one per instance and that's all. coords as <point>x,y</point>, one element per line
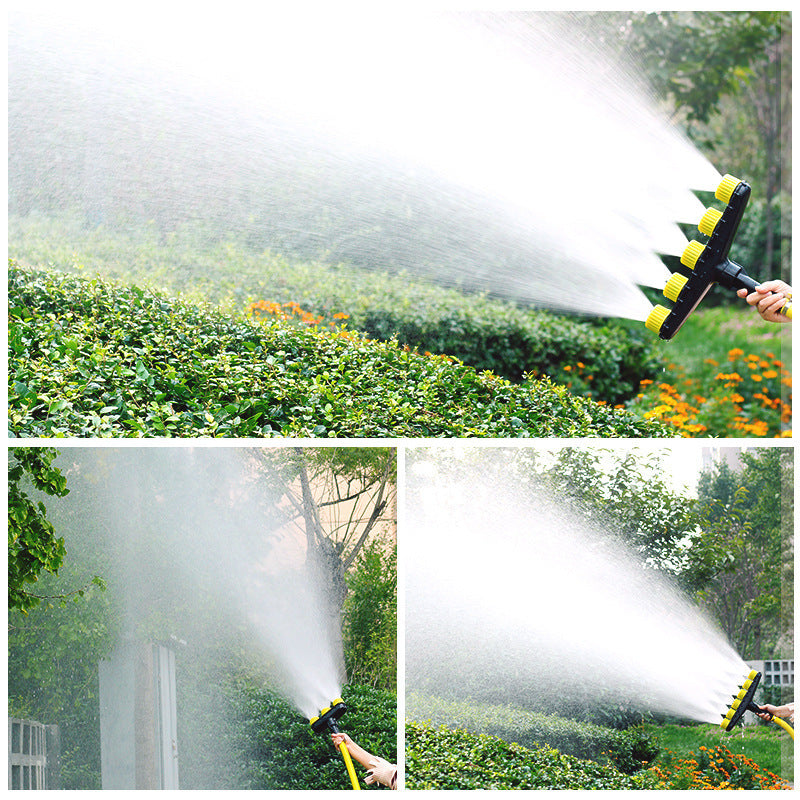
<point>495,151</point>
<point>195,548</point>
<point>514,598</point>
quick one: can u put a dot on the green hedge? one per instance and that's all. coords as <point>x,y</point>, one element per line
<point>440,758</point>
<point>87,358</point>
<point>627,750</point>
<point>604,360</point>
<point>241,735</point>
<point>280,751</point>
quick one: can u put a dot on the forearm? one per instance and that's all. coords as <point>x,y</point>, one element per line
<point>359,754</point>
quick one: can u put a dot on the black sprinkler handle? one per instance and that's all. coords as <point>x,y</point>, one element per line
<point>732,276</point>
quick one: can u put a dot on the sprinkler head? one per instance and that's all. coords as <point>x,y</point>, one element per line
<point>326,720</point>
<point>708,264</point>
<point>742,701</point>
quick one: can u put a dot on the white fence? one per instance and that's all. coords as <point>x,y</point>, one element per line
<point>28,744</point>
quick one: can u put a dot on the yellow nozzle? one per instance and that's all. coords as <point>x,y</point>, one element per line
<point>725,189</point>
<point>674,286</point>
<point>692,253</point>
<point>709,221</point>
<point>751,676</point>
<point>786,309</point>
<point>656,318</point>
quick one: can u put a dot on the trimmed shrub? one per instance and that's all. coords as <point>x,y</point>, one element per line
<point>278,749</point>
<point>601,359</point>
<point>90,359</point>
<point>627,750</point>
<point>440,758</point>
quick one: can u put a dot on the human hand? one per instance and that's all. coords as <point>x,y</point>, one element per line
<point>339,738</point>
<point>768,299</point>
<point>767,712</point>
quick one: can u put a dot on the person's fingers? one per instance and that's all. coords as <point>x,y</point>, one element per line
<point>771,286</point>
<point>754,298</point>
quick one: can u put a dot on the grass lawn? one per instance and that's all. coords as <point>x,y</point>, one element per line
<point>713,332</point>
<point>768,745</point>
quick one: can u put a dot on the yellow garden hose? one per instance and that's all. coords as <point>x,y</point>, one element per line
<point>325,724</point>
<point>348,762</point>
<point>785,725</point>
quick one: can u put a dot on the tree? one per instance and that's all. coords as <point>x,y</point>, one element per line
<point>741,562</point>
<point>370,619</point>
<point>339,494</point>
<point>33,546</point>
<point>691,58</point>
<point>624,493</point>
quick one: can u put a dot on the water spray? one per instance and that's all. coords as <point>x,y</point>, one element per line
<point>743,701</point>
<point>709,263</point>
<point>325,722</point>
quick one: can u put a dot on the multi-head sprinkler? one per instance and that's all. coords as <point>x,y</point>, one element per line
<point>326,723</point>
<point>708,264</point>
<point>743,701</point>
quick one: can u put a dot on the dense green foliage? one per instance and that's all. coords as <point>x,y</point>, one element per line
<point>33,546</point>
<point>238,734</point>
<point>370,618</point>
<point>89,359</point>
<point>627,750</point>
<point>604,360</point>
<point>742,564</point>
<point>440,758</point>
<point>280,751</point>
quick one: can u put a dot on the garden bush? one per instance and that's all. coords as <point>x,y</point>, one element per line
<point>601,359</point>
<point>370,617</point>
<point>239,734</point>
<point>440,758</point>
<point>279,750</point>
<point>87,358</point>
<point>627,750</point>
